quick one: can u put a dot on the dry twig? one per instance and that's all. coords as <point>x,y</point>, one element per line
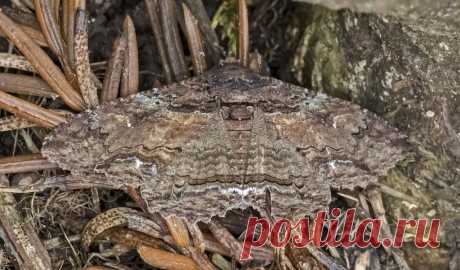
<point>224,237</point>
<point>166,260</point>
<point>181,237</point>
<point>375,198</point>
<point>25,163</point>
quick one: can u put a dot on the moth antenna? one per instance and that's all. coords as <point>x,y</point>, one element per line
<point>243,37</point>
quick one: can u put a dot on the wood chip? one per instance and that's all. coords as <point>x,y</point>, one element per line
<point>87,87</point>
<point>25,163</point>
<point>42,63</point>
<point>178,231</point>
<point>130,73</point>
<point>166,260</point>
<point>226,239</point>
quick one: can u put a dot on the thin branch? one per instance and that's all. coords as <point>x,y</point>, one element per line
<point>25,163</point>
<point>69,182</point>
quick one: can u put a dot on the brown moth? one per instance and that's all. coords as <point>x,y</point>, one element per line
<point>220,141</point>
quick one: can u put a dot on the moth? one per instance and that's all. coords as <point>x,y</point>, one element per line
<point>224,140</point>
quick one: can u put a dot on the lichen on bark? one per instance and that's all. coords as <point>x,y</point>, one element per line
<point>403,66</point>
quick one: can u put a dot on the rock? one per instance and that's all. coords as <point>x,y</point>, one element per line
<point>405,67</point>
<point>440,17</point>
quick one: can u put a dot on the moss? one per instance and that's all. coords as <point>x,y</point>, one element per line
<point>225,21</point>
<point>319,61</point>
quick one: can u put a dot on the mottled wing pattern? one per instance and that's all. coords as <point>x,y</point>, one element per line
<point>223,140</point>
